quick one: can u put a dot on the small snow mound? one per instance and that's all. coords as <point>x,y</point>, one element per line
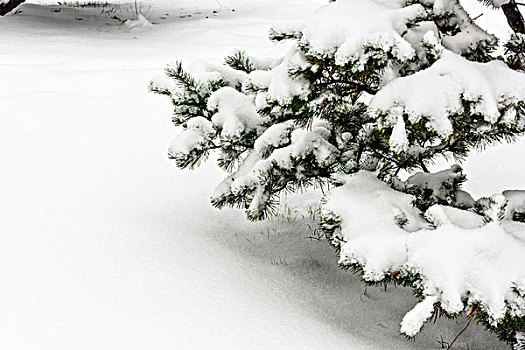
<point>139,22</point>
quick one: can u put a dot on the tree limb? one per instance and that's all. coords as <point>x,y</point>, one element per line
<point>514,16</point>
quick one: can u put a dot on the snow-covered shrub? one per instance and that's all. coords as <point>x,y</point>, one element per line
<point>368,90</point>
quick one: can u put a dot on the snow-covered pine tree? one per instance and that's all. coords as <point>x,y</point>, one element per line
<point>370,90</point>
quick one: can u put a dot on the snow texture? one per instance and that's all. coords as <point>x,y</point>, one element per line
<point>277,83</point>
<point>104,245</point>
<point>235,112</point>
<point>468,260</point>
<point>275,136</point>
<point>398,139</point>
<point>196,136</point>
<point>390,236</point>
<point>447,83</point>
<point>375,23</point>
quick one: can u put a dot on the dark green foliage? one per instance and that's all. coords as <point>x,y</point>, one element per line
<point>190,99</point>
<point>515,51</point>
<point>239,61</point>
<point>518,217</point>
<point>507,328</point>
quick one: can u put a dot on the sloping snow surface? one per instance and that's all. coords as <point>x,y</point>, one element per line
<point>105,245</point>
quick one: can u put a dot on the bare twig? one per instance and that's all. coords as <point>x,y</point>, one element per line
<point>468,324</point>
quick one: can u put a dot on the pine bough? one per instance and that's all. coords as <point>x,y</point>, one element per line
<point>371,89</point>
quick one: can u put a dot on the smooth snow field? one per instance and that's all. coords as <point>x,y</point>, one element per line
<point>105,244</point>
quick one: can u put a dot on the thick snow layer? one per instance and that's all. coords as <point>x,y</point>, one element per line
<point>398,140</point>
<point>277,82</point>
<point>275,136</point>
<point>329,32</point>
<point>235,112</point>
<point>198,135</point>
<point>105,245</point>
<point>515,200</point>
<point>452,78</point>
<point>205,71</point>
<point>462,258</point>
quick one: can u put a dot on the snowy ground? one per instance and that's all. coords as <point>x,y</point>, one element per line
<point>105,245</point>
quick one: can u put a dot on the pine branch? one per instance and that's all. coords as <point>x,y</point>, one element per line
<point>240,61</point>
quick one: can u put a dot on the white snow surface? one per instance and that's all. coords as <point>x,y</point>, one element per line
<point>105,245</point>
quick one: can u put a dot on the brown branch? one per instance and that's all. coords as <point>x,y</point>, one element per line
<point>423,166</point>
<point>435,22</point>
<point>468,324</point>
<point>514,16</point>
